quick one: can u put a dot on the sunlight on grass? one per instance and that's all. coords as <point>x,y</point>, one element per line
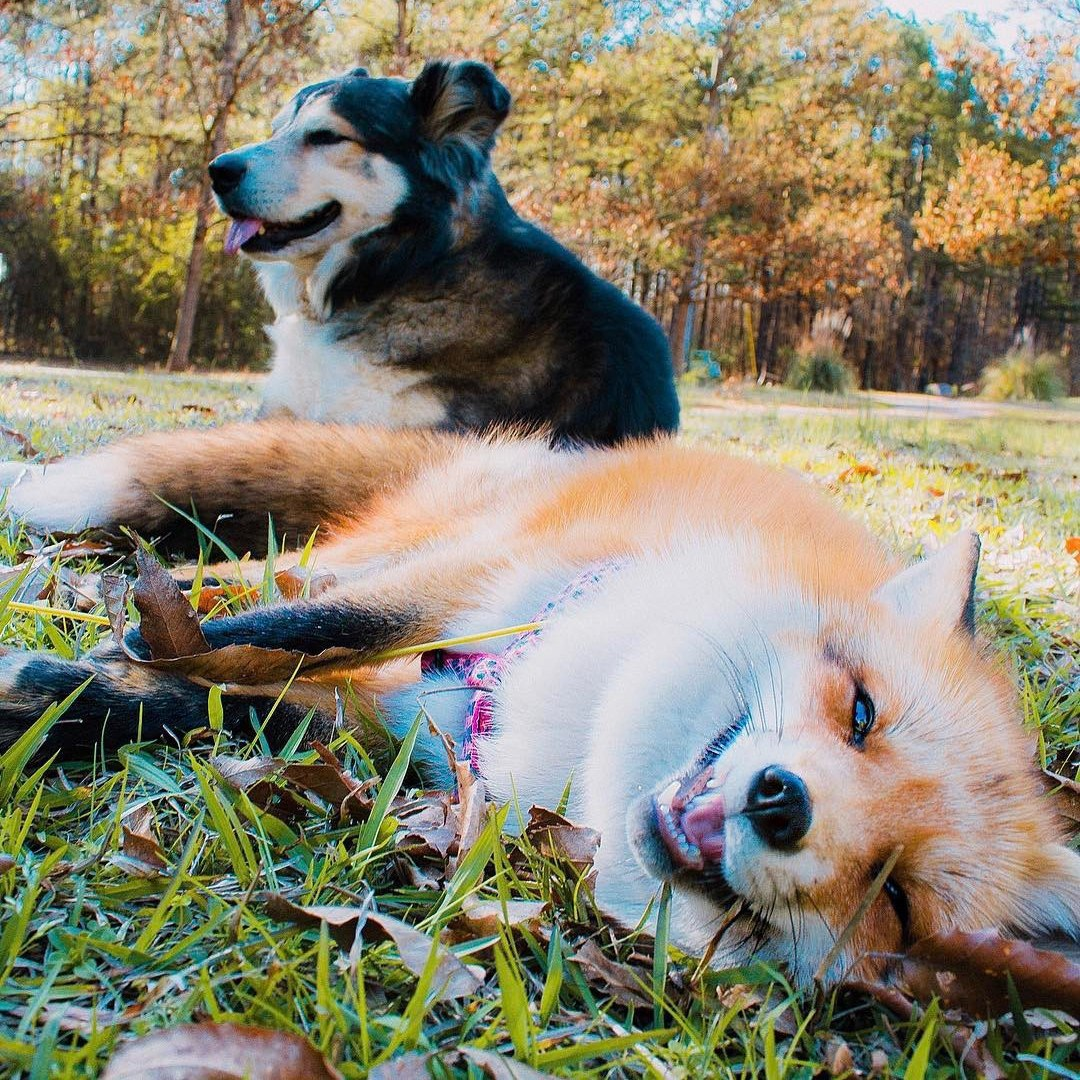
<point>95,947</point>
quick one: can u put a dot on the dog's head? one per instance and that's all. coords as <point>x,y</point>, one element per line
<point>795,766</point>
<point>346,154</point>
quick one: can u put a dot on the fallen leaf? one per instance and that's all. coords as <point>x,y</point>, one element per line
<point>342,922</point>
<point>203,410</point>
<point>625,984</point>
<point>469,813</point>
<point>857,472</point>
<point>838,1057</point>
<point>935,491</point>
<point>169,624</point>
<point>219,1052</point>
<point>211,596</point>
<point>553,835</point>
<point>415,1066</point>
<point>490,917</point>
<point>6,863</point>
<point>1072,547</point>
<point>452,979</point>
<point>244,773</point>
<point>25,446</point>
<point>114,593</point>
<point>142,854</point>
<point>501,1068</point>
<point>292,582</point>
<point>969,971</point>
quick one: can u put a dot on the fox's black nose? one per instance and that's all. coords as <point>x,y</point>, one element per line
<point>226,172</point>
<point>778,806</point>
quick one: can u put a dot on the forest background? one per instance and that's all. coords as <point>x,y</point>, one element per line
<point>747,171</point>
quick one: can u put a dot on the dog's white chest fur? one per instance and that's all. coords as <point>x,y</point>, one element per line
<point>322,377</point>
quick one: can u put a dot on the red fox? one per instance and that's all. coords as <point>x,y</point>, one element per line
<point>748,696</point>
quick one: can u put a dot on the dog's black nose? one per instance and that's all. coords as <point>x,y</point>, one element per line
<point>778,806</point>
<point>226,172</point>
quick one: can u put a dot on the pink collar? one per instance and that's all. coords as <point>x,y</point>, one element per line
<point>483,672</point>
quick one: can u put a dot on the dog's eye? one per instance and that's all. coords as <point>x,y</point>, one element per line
<point>324,138</point>
<point>862,716</point>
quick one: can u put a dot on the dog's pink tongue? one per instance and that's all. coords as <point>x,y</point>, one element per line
<point>240,232</point>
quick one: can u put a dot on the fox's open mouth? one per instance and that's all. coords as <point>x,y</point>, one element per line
<point>690,820</point>
<point>253,235</point>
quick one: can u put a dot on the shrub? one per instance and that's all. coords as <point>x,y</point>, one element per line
<point>817,367</point>
<point>1021,375</point>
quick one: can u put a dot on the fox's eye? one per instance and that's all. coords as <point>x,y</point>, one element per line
<point>862,716</point>
<point>324,138</point>
<point>898,899</point>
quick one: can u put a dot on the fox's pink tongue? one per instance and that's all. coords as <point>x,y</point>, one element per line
<point>240,232</point>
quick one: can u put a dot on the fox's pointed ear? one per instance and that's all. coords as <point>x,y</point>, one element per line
<point>1052,901</point>
<point>940,589</point>
<point>460,99</point>
<point>358,73</point>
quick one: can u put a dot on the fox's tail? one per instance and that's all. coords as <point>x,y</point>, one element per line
<point>300,474</point>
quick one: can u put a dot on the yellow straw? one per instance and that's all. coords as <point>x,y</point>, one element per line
<point>447,643</point>
<point>60,613</point>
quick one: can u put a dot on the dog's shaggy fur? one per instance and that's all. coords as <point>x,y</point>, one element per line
<point>406,290</point>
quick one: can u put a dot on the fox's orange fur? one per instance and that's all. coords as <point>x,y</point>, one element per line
<point>751,630</point>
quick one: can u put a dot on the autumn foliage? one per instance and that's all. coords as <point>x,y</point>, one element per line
<point>737,168</point>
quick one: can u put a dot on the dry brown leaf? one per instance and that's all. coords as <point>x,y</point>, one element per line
<point>142,854</point>
<point>1072,547</point>
<point>6,863</point>
<point>219,1052</point>
<point>838,1057</point>
<point>251,665</point>
<point>114,593</point>
<point>501,1068</point>
<point>25,447</point>
<point>211,596</point>
<point>490,917</point>
<point>553,836</point>
<point>625,984</point>
<point>244,773</point>
<point>452,979</point>
<point>416,1066</point>
<point>342,922</point>
<point>469,812</point>
<point>291,582</point>
<point>856,472</point>
<point>969,971</point>
<point>428,825</point>
<point>935,491</point>
<point>412,1066</point>
<point>169,624</point>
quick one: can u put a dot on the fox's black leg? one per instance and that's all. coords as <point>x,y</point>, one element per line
<point>310,626</point>
<point>122,703</point>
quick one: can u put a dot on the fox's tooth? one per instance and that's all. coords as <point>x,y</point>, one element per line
<point>667,796</point>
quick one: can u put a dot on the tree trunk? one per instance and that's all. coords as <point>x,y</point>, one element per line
<point>180,352</point>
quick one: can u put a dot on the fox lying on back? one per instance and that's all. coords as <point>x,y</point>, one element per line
<point>751,700</point>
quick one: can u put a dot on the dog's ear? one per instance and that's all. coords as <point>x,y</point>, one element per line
<point>460,100</point>
<point>357,73</point>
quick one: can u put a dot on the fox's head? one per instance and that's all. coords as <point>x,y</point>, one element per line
<point>795,744</point>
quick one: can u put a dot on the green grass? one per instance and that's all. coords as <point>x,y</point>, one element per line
<point>97,946</point>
